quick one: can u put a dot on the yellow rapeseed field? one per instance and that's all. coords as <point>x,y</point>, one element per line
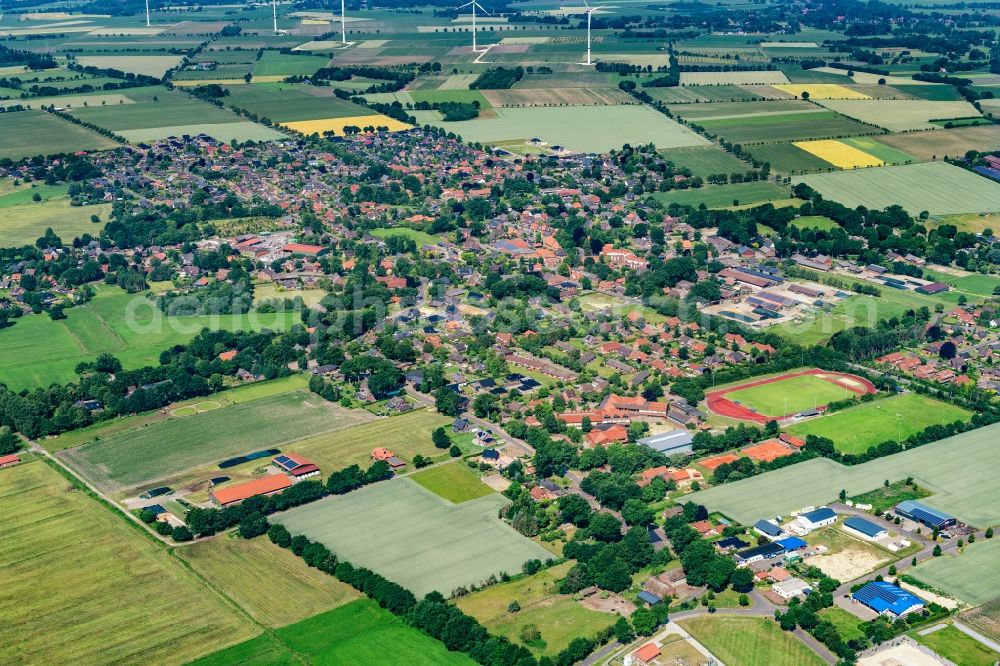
<point>839,154</point>
<point>338,124</point>
<point>820,90</point>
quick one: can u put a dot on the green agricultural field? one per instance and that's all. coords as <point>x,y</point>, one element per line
<point>233,396</point>
<point>973,284</point>
<point>788,158</point>
<point>558,617</point>
<point>723,196</point>
<point>82,585</point>
<point>583,128</point>
<point>787,396</point>
<point>358,633</point>
<point>150,65</point>
<point>880,150</point>
<point>785,127</point>
<point>899,115</point>
<point>414,537</point>
<point>931,93</point>
<point>292,102</point>
<point>954,470</point>
<point>939,143</point>
<point>274,63</point>
<point>453,481</point>
<point>240,568</point>
<point>154,107</point>
<point>985,619</point>
<point>155,452</point>
<point>958,647</point>
<point>405,435</point>
<point>896,418</point>
<point>971,222</point>
<point>226,132</point>
<point>698,94</point>
<point>936,187</point>
<point>723,110</point>
<point>750,640</point>
<point>36,351</point>
<point>30,133</point>
<point>419,237</point>
<point>972,576</point>
<point>705,160</point>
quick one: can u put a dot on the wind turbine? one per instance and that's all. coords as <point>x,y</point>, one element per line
<point>590,12</point>
<point>474,4</point>
<point>147,13</point>
<point>274,14</point>
<point>343,24</point>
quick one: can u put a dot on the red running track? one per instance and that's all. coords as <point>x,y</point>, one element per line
<point>720,404</point>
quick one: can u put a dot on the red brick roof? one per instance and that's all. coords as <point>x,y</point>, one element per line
<point>241,491</point>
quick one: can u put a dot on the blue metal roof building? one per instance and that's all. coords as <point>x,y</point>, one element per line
<point>792,543</point>
<point>649,597</point>
<point>819,515</point>
<point>767,528</point>
<point>864,527</point>
<point>883,597</point>
<point>924,514</point>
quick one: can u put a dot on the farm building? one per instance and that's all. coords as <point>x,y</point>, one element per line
<point>887,599</point>
<point>817,518</point>
<point>864,529</point>
<point>296,466</point>
<point>643,656</point>
<point>793,587</point>
<point>729,543</point>
<point>9,461</point>
<point>932,288</point>
<point>768,529</point>
<point>649,598</point>
<point>924,514</point>
<point>674,441</point>
<point>791,543</point>
<point>758,553</point>
<point>266,485</point>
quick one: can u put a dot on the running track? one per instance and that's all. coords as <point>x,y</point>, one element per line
<point>720,404</point>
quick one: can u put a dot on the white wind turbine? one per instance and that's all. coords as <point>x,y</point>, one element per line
<point>274,14</point>
<point>343,24</point>
<point>474,4</point>
<point>590,12</point>
<point>147,13</point>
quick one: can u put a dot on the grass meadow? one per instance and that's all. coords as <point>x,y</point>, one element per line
<point>142,455</point>
<point>936,187</point>
<point>269,582</point>
<point>417,236</point>
<point>454,482</point>
<point>22,220</point>
<point>899,115</point>
<point>954,470</point>
<point>358,633</point>
<point>36,351</point>
<point>958,647</point>
<point>723,196</point>
<point>283,102</point>
<point>939,143</point>
<point>750,640</point>
<point>704,160</point>
<point>83,585</point>
<point>558,617</point>
<point>855,429</point>
<point>793,394</point>
<point>31,133</point>
<point>972,576</point>
<point>412,536</point>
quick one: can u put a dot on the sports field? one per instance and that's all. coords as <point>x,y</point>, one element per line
<point>784,394</point>
<point>839,154</point>
<point>583,128</point>
<point>337,125</point>
<point>406,435</point>
<point>558,617</point>
<point>973,576</point>
<point>358,633</point>
<point>750,640</point>
<point>31,133</point>
<point>239,568</point>
<point>82,586</point>
<point>145,454</point>
<point>897,417</point>
<point>936,187</point>
<point>455,482</point>
<point>900,115</point>
<point>414,537</point>
<point>954,470</point>
<point>37,351</point>
<point>793,394</point>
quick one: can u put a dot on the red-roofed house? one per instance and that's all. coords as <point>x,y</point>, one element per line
<point>297,466</point>
<point>9,460</point>
<point>266,485</point>
<point>301,248</point>
<point>646,654</point>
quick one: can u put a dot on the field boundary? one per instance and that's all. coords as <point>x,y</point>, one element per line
<point>719,404</point>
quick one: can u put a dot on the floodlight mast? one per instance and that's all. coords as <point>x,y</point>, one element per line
<point>474,4</point>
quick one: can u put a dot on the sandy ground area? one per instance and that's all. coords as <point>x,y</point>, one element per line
<point>848,564</point>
